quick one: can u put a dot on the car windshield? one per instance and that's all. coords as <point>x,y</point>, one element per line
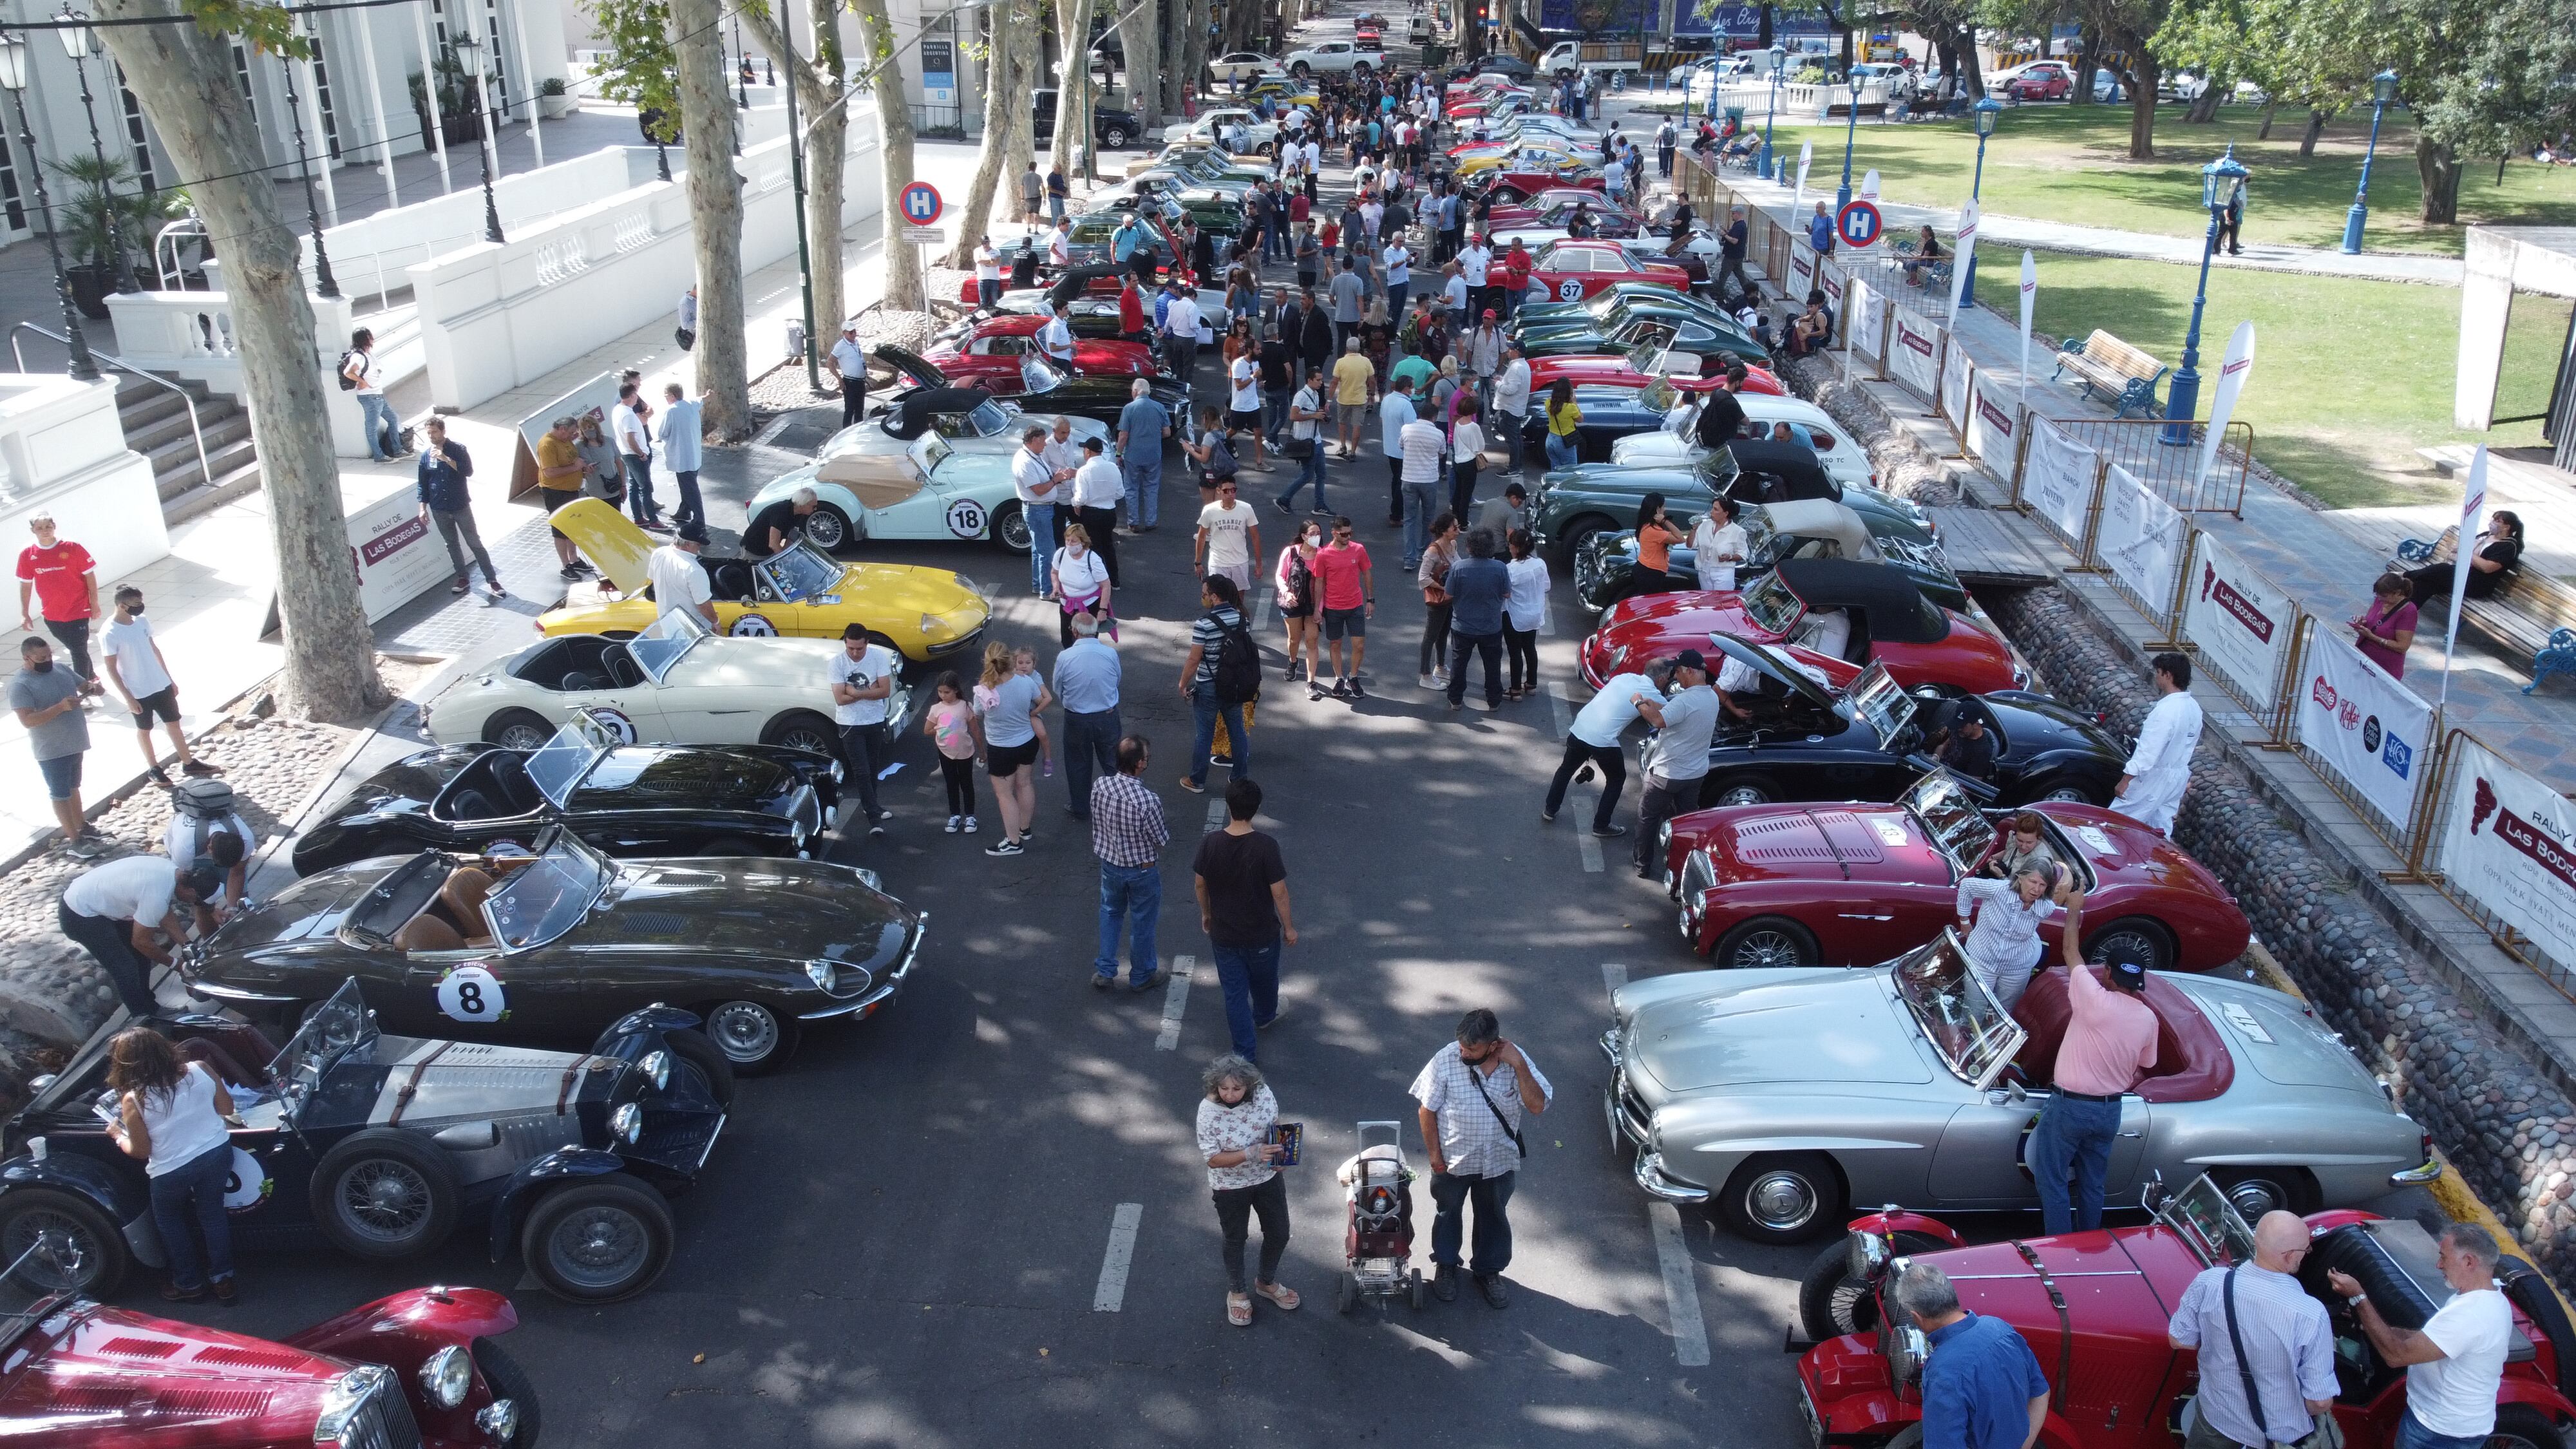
<point>1769,604</point>
<point>1038,375</point>
<point>659,648</point>
<point>332,1032</point>
<point>803,571</point>
<point>558,765</point>
<point>1975,1037</point>
<point>1652,357</point>
<point>2208,1224</point>
<point>548,896</point>
<point>1883,702</point>
<point>1950,817</point>
<point>1716,469</point>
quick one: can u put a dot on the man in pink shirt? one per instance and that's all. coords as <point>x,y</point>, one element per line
<point>2110,1042</point>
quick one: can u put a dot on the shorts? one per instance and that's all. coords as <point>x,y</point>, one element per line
<point>165,703</point>
<point>1004,761</point>
<point>1243,422</point>
<point>1346,623</point>
<point>555,498</point>
<point>1301,611</point>
<point>62,776</point>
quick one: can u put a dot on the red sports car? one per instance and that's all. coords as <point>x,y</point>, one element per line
<point>1804,884</point>
<point>1516,182</point>
<point>1573,270</point>
<point>1886,620</point>
<point>1637,369</point>
<point>1527,213</point>
<point>986,352</point>
<point>2095,1307</point>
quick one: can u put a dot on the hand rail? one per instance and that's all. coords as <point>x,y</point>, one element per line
<point>205,470</point>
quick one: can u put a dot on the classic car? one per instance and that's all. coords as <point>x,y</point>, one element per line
<point>980,350</point>
<point>547,944</point>
<point>1041,388</point>
<point>1511,66</point>
<point>1601,306</point>
<point>626,799</point>
<point>1242,65</point>
<point>1329,56</point>
<point>971,419</point>
<point>1090,298</point>
<point>1887,620</point>
<point>1810,427</point>
<point>1211,125</point>
<point>1778,1096</point>
<point>678,682</point>
<point>1853,882</point>
<point>2116,1380</point>
<point>921,613</point>
<point>1516,181</point>
<point>1693,340</point>
<point>1651,361</point>
<point>1636,427</point>
<point>1093,239</point>
<point>1113,129</point>
<point>1552,209</point>
<point>1571,505</point>
<point>417,1367</point>
<point>1544,155</point>
<point>1866,525</point>
<point>1283,91</point>
<point>382,1146</point>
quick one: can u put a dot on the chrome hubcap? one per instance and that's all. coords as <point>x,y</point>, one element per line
<point>2069,795</point>
<point>2256,1196</point>
<point>1780,1201</point>
<point>1742,795</point>
<point>598,1246</point>
<point>744,1030</point>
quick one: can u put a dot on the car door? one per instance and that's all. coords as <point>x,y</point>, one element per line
<point>627,696</point>
<point>1982,1160</point>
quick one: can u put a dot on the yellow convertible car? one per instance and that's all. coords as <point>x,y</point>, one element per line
<point>1527,156</point>
<point>920,613</point>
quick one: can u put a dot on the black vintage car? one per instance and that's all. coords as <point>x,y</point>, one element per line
<point>384,1145</point>
<point>547,946</point>
<point>1865,525</point>
<point>638,800</point>
<point>1097,398</point>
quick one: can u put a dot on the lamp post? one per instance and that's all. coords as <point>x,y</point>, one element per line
<point>2383,89</point>
<point>80,42</point>
<point>2221,182</point>
<point>1771,117</point>
<point>1851,133</point>
<point>1985,112</point>
<point>13,78</point>
<point>473,52</point>
<point>742,66</point>
<point>323,282</point>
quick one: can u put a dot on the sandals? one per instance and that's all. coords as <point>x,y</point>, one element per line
<point>1286,1298</point>
<point>1238,1309</point>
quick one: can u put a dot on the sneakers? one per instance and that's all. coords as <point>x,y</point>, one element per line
<point>876,827</point>
<point>1341,689</point>
<point>1430,681</point>
<point>88,845</point>
<point>1356,691</point>
<point>1314,690</point>
<point>1609,832</point>
<point>572,571</point>
<point>158,776</point>
<point>198,768</point>
<point>1491,1285</point>
<point>1444,1284</point>
<point>1296,670</point>
<point>969,826</point>
<point>1103,983</point>
<point>1004,847</point>
<point>953,821</point>
<point>1193,786</point>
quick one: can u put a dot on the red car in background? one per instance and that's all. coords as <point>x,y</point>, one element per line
<point>1515,182</point>
<point>1527,212</point>
<point>2041,80</point>
<point>986,352</point>
<point>1573,270</point>
<point>2095,1308</point>
<point>1616,371</point>
<point>1890,623</point>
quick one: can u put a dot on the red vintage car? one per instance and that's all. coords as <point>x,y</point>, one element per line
<point>1515,182</point>
<point>1889,622</point>
<point>418,1368</point>
<point>1528,212</point>
<point>1616,371</point>
<point>2095,1306</point>
<point>1573,270</point>
<point>1804,884</point>
<point>986,352</point>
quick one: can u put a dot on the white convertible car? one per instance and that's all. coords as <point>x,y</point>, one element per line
<point>1672,445</point>
<point>675,683</point>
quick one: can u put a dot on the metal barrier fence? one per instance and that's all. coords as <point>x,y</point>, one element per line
<point>2168,470</point>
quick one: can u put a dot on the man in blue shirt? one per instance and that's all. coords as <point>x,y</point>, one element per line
<point>1393,411</point>
<point>683,452</point>
<point>444,467</point>
<point>1982,1389</point>
<point>1142,426</point>
<point>1086,680</point>
<point>1820,231</point>
<point>1479,587</point>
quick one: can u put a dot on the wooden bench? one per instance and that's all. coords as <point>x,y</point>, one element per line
<point>2105,364</point>
<point>1936,276</point>
<point>2529,611</point>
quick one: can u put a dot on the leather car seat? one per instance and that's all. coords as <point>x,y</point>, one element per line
<point>510,777</point>
<point>426,932</point>
<point>475,805</point>
<point>576,681</point>
<point>461,900</point>
<point>623,671</point>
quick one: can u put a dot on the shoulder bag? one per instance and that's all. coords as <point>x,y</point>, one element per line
<point>1509,1130</point>
<point>2324,1434</point>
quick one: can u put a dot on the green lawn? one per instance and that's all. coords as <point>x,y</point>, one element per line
<point>2070,164</point>
<point>2350,377</point>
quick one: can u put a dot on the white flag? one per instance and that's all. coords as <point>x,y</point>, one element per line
<point>1964,248</point>
<point>1806,158</point>
<point>2473,507</point>
<point>2029,299</point>
<point>2222,406</point>
<point>1869,185</point>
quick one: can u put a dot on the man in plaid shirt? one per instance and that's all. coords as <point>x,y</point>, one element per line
<point>1474,1094</point>
<point>1128,834</point>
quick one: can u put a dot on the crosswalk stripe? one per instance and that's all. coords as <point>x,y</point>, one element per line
<point>1111,1294</point>
<point>1586,844</point>
<point>1176,999</point>
<point>1681,1292</point>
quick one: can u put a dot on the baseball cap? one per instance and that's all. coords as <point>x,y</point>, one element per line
<point>1690,659</point>
<point>1490,314</point>
<point>2129,975</point>
<point>693,532</point>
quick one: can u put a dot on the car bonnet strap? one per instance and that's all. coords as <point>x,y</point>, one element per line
<point>411,1084</point>
<point>2065,1325</point>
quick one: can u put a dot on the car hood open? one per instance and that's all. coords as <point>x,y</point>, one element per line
<point>1825,1027</point>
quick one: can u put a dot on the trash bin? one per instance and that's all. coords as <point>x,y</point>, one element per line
<point>1735,117</point>
<point>795,339</point>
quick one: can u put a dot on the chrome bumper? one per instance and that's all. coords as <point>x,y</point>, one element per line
<point>2417,1176</point>
<point>1649,1167</point>
<point>865,1005</point>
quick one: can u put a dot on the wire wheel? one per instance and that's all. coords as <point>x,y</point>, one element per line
<point>383,1199</point>
<point>596,1245</point>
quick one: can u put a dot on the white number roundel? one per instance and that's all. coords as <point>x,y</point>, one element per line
<point>966,518</point>
<point>471,993</point>
<point>1569,290</point>
<point>246,1183</point>
<point>617,721</point>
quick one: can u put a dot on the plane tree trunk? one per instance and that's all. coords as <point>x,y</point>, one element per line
<point>715,213</point>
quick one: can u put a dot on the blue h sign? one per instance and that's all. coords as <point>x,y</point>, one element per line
<point>920,203</point>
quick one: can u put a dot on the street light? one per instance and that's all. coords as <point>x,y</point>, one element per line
<point>1851,133</point>
<point>1985,113</point>
<point>324,283</point>
<point>2221,182</point>
<point>80,42</point>
<point>484,122</point>
<point>2383,89</point>
<point>1771,118</point>
<point>13,78</point>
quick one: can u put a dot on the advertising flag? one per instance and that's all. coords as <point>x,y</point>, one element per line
<point>2473,507</point>
<point>1963,251</point>
<point>2029,298</point>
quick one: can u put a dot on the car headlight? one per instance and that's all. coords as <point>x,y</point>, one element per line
<point>930,623</point>
<point>656,1067</point>
<point>820,973</point>
<point>447,1376</point>
<point>627,1122</point>
<point>499,1419</point>
<point>1906,1349</point>
<point>1864,1254</point>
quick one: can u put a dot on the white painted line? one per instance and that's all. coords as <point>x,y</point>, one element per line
<point>1681,1291</point>
<point>1261,609</point>
<point>1176,999</point>
<point>1216,814</point>
<point>1586,844</point>
<point>1557,705</point>
<point>1613,976</point>
<point>1111,1295</point>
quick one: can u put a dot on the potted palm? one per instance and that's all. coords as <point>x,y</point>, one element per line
<point>107,225</point>
<point>555,99</point>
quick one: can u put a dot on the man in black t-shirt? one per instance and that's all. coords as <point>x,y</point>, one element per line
<point>1731,244</point>
<point>778,526</point>
<point>1721,417</point>
<point>1242,888</point>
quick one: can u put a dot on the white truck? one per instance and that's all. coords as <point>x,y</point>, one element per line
<point>1600,57</point>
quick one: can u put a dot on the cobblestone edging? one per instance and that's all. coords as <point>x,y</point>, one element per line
<point>1905,467</point>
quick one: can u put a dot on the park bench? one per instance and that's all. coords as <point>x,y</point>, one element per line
<point>1935,276</point>
<point>2105,364</point>
<point>2529,611</point>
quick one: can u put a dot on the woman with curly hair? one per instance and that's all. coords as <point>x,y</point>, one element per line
<point>1237,1135</point>
<point>173,1116</point>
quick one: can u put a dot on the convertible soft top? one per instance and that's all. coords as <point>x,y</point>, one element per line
<point>1773,472</point>
<point>1078,280</point>
<point>911,413</point>
<point>1895,604</point>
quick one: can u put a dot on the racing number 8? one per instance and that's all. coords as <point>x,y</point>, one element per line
<point>1569,290</point>
<point>471,993</point>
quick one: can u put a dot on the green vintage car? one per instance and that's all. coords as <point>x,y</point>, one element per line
<point>1599,309</point>
<point>1862,526</point>
<point>1628,328</point>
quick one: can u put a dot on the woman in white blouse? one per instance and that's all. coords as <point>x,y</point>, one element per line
<point>1080,583</point>
<point>1524,613</point>
<point>2003,944</point>
<point>176,1117</point>
<point>1720,542</point>
<point>1237,1119</point>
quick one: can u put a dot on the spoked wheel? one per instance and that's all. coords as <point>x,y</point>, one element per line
<point>1832,1303</point>
<point>1766,941</point>
<point>518,729</point>
<point>2520,1426</point>
<point>88,1257</point>
<point>827,528</point>
<point>383,1194</point>
<point>599,1240</point>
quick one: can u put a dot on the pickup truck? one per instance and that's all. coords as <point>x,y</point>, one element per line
<point>1330,57</point>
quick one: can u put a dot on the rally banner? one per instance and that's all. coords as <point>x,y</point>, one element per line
<point>1994,425</point>
<point>2057,478</point>
<point>1955,370</point>
<point>2139,539</point>
<point>1868,335</point>
<point>1963,250</point>
<point>2509,842</point>
<point>2473,507</point>
<point>1802,276</point>
<point>2362,725</point>
<point>2029,296</point>
<point>1914,353</point>
<point>1806,158</point>
<point>2232,373</point>
<point>2239,621</point>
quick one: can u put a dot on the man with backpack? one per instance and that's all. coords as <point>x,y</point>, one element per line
<point>358,375</point>
<point>1221,676</point>
<point>206,826</point>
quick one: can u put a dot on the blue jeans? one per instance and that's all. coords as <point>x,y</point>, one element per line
<point>1395,293</point>
<point>639,489</point>
<point>2411,1434</point>
<point>1203,704</point>
<point>384,430</point>
<point>1145,485</point>
<point>1561,451</point>
<point>2072,1134</point>
<point>1450,1193</point>
<point>1420,500</point>
<point>1133,892</point>
<point>1041,518</point>
<point>1310,469</point>
<point>1249,976</point>
<point>691,510</point>
<point>1274,417</point>
<point>199,1180</point>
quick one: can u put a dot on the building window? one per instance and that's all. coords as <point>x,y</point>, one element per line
<point>500,54</point>
<point>241,72</point>
<point>322,93</point>
<point>10,206</point>
<point>137,134</point>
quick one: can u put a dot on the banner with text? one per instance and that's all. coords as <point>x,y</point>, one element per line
<point>1955,369</point>
<point>1868,336</point>
<point>2363,725</point>
<point>1914,353</point>
<point>1802,275</point>
<point>2507,842</point>
<point>2057,476</point>
<point>1829,280</point>
<point>2140,539</point>
<point>1995,425</point>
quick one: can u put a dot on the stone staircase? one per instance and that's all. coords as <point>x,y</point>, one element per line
<point>156,425</point>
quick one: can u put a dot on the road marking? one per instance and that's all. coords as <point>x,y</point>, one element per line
<point>1681,1292</point>
<point>1261,611</point>
<point>1613,976</point>
<point>1111,1295</point>
<point>1216,814</point>
<point>1176,999</point>
<point>1586,844</point>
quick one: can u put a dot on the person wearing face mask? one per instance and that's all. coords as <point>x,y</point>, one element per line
<point>131,659</point>
<point>1080,583</point>
<point>47,701</point>
<point>1293,580</point>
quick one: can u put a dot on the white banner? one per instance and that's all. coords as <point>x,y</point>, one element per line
<point>1829,278</point>
<point>2473,507</point>
<point>398,557</point>
<point>1914,353</point>
<point>2057,478</point>
<point>2222,405</point>
<point>2029,298</point>
<point>2140,538</point>
<point>1802,276</point>
<point>2363,725</point>
<point>1806,158</point>
<point>2239,621</point>
<point>1868,335</point>
<point>1955,369</point>
<point>1963,253</point>
<point>1994,425</point>
<point>2506,841</point>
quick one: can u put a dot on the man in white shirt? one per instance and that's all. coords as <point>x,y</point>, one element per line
<point>1181,334</point>
<point>131,659</point>
<point>1421,442</point>
<point>635,451</point>
<point>1474,1095</point>
<point>852,361</point>
<point>988,272</point>
<point>1055,339</point>
<point>1063,455</point>
<point>1034,482</point>
<point>1473,263</point>
<point>2158,769</point>
<point>1398,259</point>
<point>1594,742</point>
<point>1243,404</point>
<point>112,910</point>
<point>862,681</point>
<point>2455,1363</point>
<point>1097,487</point>
<point>679,581</point>
<point>1676,761</point>
<point>1512,400</point>
<point>1229,538</point>
<point>1060,245</point>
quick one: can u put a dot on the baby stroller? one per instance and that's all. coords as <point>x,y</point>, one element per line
<point>1379,1242</point>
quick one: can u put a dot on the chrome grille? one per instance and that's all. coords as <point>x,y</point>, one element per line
<point>383,1422</point>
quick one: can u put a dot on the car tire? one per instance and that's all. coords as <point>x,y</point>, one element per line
<point>1300,70</point>
<point>104,1260</point>
<point>1743,790</point>
<point>693,1049</point>
<point>2134,938</point>
<point>517,729</point>
<point>1783,1198</point>
<point>598,1239</point>
<point>1114,138</point>
<point>2520,1426</point>
<point>1909,1437</point>
<point>2063,791</point>
<point>1010,530</point>
<point>502,1374</point>
<point>2254,1191</point>
<point>827,527</point>
<point>1579,533</point>
<point>802,729</point>
<point>1765,941</point>
<point>1829,1304</point>
<point>384,1194</point>
<point>754,1038</point>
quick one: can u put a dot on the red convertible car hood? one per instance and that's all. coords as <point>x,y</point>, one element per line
<point>2120,1287</point>
<point>148,1383</point>
<point>1636,632</point>
<point>1881,844</point>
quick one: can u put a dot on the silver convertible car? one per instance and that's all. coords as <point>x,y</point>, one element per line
<point>1780,1097</point>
